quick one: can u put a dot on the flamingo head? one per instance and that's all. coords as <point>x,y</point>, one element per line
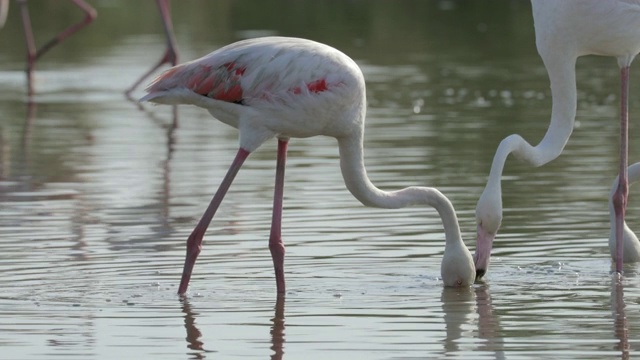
<point>488,220</point>
<point>457,269</point>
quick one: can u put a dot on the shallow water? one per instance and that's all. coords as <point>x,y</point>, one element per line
<point>97,197</point>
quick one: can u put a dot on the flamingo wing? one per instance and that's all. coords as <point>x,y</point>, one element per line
<point>256,70</point>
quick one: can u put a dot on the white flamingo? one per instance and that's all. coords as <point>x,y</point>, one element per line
<point>287,87</point>
<point>565,30</point>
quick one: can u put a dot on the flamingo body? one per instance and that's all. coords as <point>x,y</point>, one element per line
<point>565,30</point>
<point>630,240</point>
<point>288,88</point>
<point>586,27</point>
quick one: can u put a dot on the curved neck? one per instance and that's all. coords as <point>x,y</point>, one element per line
<point>358,183</point>
<point>564,97</point>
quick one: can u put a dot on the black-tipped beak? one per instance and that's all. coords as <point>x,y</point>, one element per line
<point>480,273</point>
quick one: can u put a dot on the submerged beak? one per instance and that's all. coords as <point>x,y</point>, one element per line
<point>484,243</point>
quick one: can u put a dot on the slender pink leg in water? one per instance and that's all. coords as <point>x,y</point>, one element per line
<point>275,238</point>
<point>194,242</point>
<point>170,55</point>
<point>34,54</point>
<point>620,196</point>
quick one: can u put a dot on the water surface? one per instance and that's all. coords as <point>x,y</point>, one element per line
<point>97,196</point>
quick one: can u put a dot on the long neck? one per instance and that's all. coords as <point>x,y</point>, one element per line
<point>563,92</point>
<point>358,183</point>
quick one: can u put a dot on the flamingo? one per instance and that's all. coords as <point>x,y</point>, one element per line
<point>33,54</point>
<point>565,30</point>
<point>630,241</point>
<point>170,55</point>
<point>288,87</point>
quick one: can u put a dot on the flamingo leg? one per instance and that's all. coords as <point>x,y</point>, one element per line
<point>621,194</point>
<point>194,242</point>
<point>33,54</point>
<point>276,246</point>
<point>170,55</point>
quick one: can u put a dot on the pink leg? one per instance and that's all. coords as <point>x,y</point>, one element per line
<point>170,55</point>
<point>194,242</point>
<point>275,238</point>
<point>31,47</point>
<point>620,196</point>
<point>34,54</point>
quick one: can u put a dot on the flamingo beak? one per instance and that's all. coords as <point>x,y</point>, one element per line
<point>484,243</point>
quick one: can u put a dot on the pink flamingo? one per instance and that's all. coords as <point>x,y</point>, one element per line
<point>565,30</point>
<point>33,53</point>
<point>287,87</point>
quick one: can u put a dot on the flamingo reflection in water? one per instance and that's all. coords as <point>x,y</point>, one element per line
<point>194,335</point>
